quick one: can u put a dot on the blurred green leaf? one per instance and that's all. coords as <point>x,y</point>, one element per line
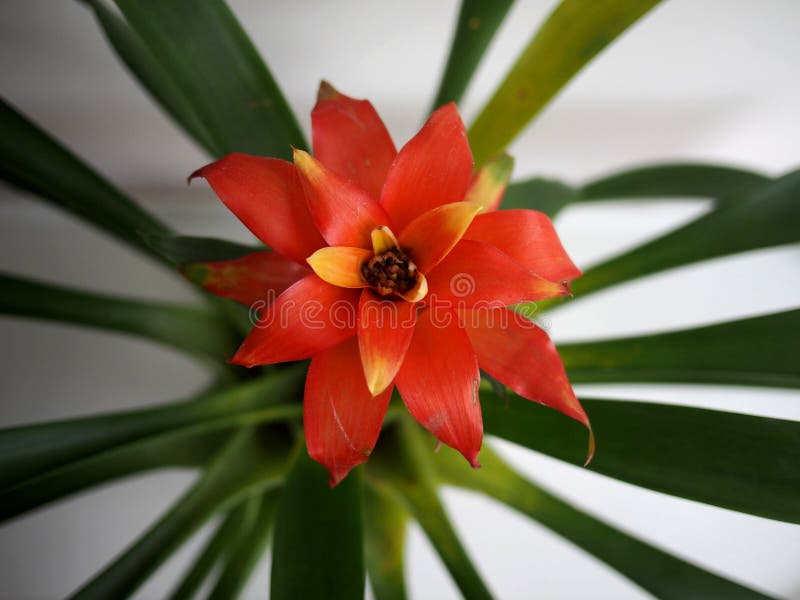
<point>221,542</point>
<point>144,65</point>
<point>656,571</point>
<point>745,463</point>
<point>768,216</point>
<point>574,33</point>
<point>198,330</point>
<point>478,21</point>
<point>209,57</point>
<point>401,465</point>
<point>317,552</point>
<point>248,549</point>
<point>679,180</point>
<point>31,160</point>
<point>247,463</point>
<point>545,195</point>
<point>384,543</point>
<point>30,450</point>
<point>182,249</point>
<point>756,351</point>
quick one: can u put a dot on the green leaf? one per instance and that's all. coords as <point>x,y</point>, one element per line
<point>198,330</point>
<point>248,462</point>
<point>769,216</point>
<point>31,160</point>
<point>317,551</point>
<point>182,250</point>
<point>208,56</point>
<point>658,572</point>
<point>30,450</point>
<point>384,543</point>
<point>574,33</point>
<point>755,351</point>
<point>680,180</point>
<point>144,65</point>
<point>745,463</point>
<point>248,550</point>
<point>478,22</point>
<point>401,466</point>
<point>223,539</point>
<point>545,195</point>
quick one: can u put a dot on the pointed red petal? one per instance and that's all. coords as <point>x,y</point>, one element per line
<point>527,236</point>
<point>513,350</point>
<point>267,196</point>
<point>490,182</point>
<point>340,417</point>
<point>430,236</point>
<point>350,139</point>
<point>344,213</point>
<point>432,169</point>
<point>384,333</point>
<point>477,273</point>
<point>257,277</point>
<point>309,317</point>
<point>439,383</point>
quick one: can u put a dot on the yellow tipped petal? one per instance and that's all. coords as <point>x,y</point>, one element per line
<point>418,292</point>
<point>383,239</point>
<point>489,184</point>
<point>340,265</point>
<point>431,236</point>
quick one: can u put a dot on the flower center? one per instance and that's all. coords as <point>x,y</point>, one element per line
<point>391,272</point>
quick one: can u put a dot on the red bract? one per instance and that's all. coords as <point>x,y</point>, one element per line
<point>391,269</point>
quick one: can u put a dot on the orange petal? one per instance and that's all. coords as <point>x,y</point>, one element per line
<point>527,236</point>
<point>433,168</point>
<point>513,350</point>
<point>418,292</point>
<point>490,182</point>
<point>266,194</point>
<point>384,333</point>
<point>382,240</point>
<point>477,273</point>
<point>340,265</point>
<point>260,276</point>
<point>439,383</point>
<point>429,237</point>
<point>341,419</point>
<point>350,139</point>
<point>309,317</point>
<point>344,213</point>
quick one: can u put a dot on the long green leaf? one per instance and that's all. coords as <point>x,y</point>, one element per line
<point>745,463</point>
<point>769,216</point>
<point>401,466</point>
<point>144,65</point>
<point>215,65</point>
<point>198,330</point>
<point>574,33</point>
<point>478,21</point>
<point>384,543</point>
<point>248,462</point>
<point>660,573</point>
<point>756,351</point>
<point>679,180</point>
<point>30,450</point>
<point>181,249</point>
<point>317,551</point>
<point>221,542</point>
<point>248,550</point>
<point>31,160</point>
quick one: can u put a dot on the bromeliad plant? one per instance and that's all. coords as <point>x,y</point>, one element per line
<point>394,270</point>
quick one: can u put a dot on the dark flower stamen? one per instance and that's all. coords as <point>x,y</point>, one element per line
<point>391,272</point>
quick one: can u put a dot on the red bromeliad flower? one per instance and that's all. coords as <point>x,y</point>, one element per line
<point>391,269</point>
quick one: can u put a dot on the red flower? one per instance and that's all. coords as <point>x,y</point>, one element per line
<point>391,269</point>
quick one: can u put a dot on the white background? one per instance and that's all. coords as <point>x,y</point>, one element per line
<point>696,79</point>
